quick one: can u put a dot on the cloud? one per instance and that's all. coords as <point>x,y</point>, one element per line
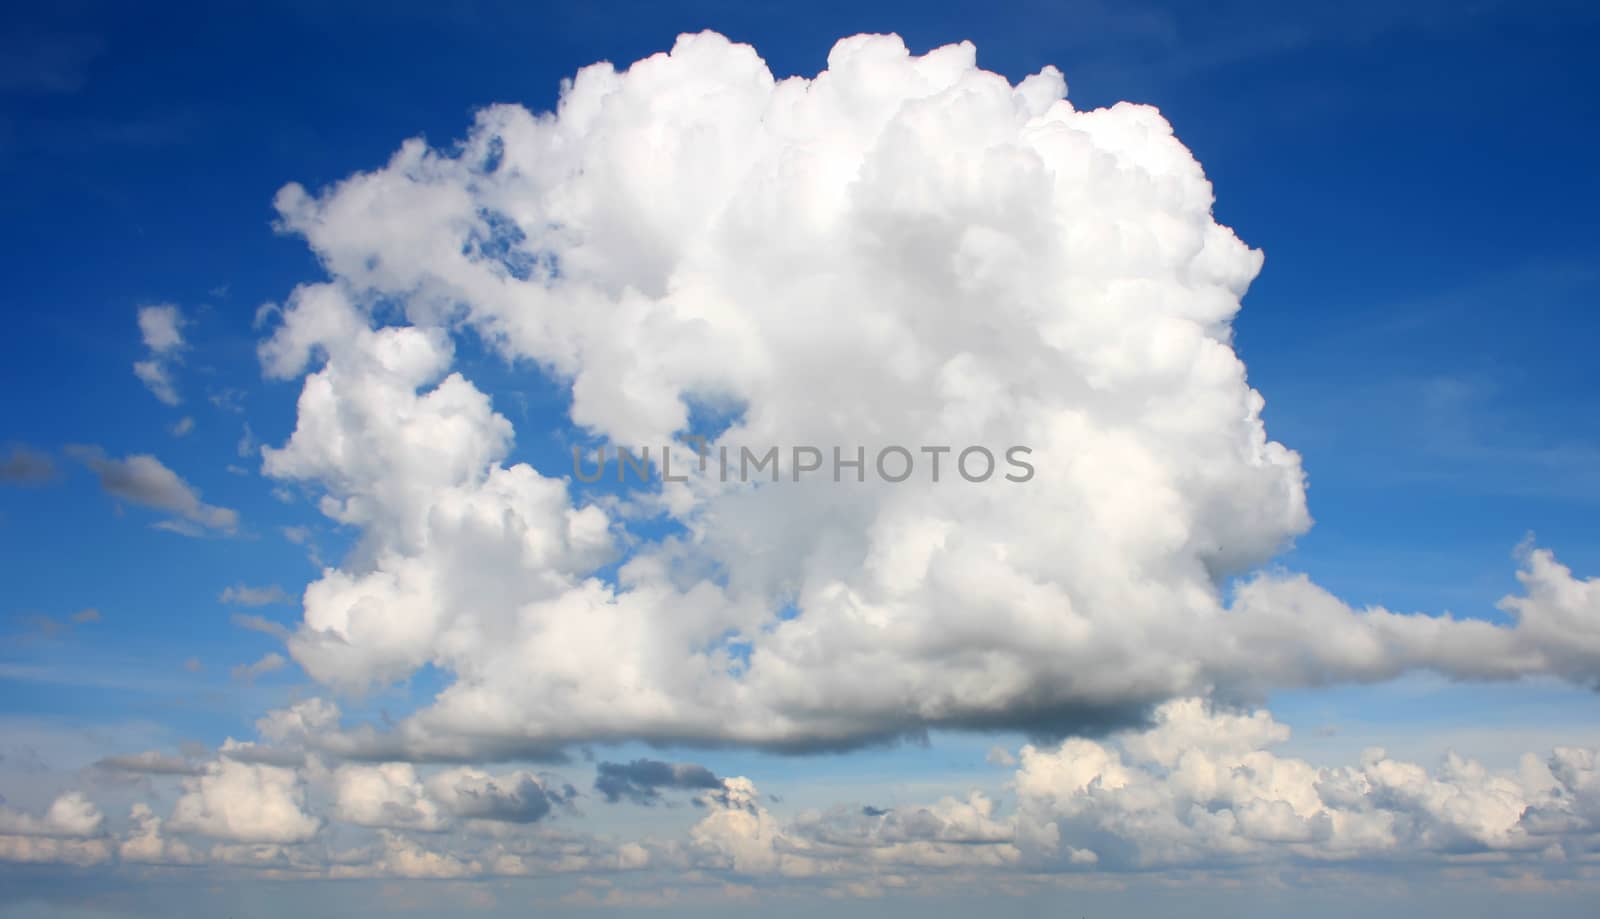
<point>142,479</point>
<point>1200,790</point>
<point>515,797</point>
<point>261,624</point>
<point>269,663</point>
<point>23,465</point>
<point>642,780</point>
<point>70,816</point>
<point>149,762</point>
<point>49,627</point>
<point>245,802</point>
<point>901,250</point>
<point>245,595</point>
<point>160,327</point>
<point>1203,787</point>
<point>388,795</point>
<point>146,845</point>
<point>393,796</point>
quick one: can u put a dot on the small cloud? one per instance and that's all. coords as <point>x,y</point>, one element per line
<point>301,536</point>
<point>261,624</point>
<point>245,595</point>
<point>248,673</point>
<point>40,626</point>
<point>22,465</point>
<point>642,780</point>
<point>183,426</point>
<point>142,479</point>
<point>160,327</point>
<point>193,665</point>
<point>227,400</point>
<point>1000,756</point>
<point>154,375</point>
<point>264,314</point>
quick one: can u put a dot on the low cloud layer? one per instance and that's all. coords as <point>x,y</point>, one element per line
<point>1200,790</point>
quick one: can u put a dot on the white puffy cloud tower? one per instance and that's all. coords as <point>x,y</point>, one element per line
<point>903,250</point>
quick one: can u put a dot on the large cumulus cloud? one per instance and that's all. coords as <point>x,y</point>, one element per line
<point>901,250</point>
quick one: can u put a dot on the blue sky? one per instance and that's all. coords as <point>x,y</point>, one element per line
<point>1419,177</point>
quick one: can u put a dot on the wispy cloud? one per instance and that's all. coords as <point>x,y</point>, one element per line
<point>143,480</point>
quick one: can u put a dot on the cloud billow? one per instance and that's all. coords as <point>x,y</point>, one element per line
<point>900,250</point>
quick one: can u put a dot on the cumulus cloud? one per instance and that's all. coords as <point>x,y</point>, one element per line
<point>143,480</point>
<point>393,796</point>
<point>642,780</point>
<point>902,249</point>
<point>146,844</point>
<point>245,802</point>
<point>1204,787</point>
<point>69,816</point>
<point>388,795</point>
<point>160,326</point>
<point>68,832</point>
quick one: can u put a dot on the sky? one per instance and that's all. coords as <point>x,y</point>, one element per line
<point>307,608</point>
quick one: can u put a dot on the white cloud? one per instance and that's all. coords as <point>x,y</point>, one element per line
<point>145,843</point>
<point>1203,787</point>
<point>902,250</point>
<point>387,795</point>
<point>70,816</point>
<point>161,326</point>
<point>245,802</point>
<point>36,849</point>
